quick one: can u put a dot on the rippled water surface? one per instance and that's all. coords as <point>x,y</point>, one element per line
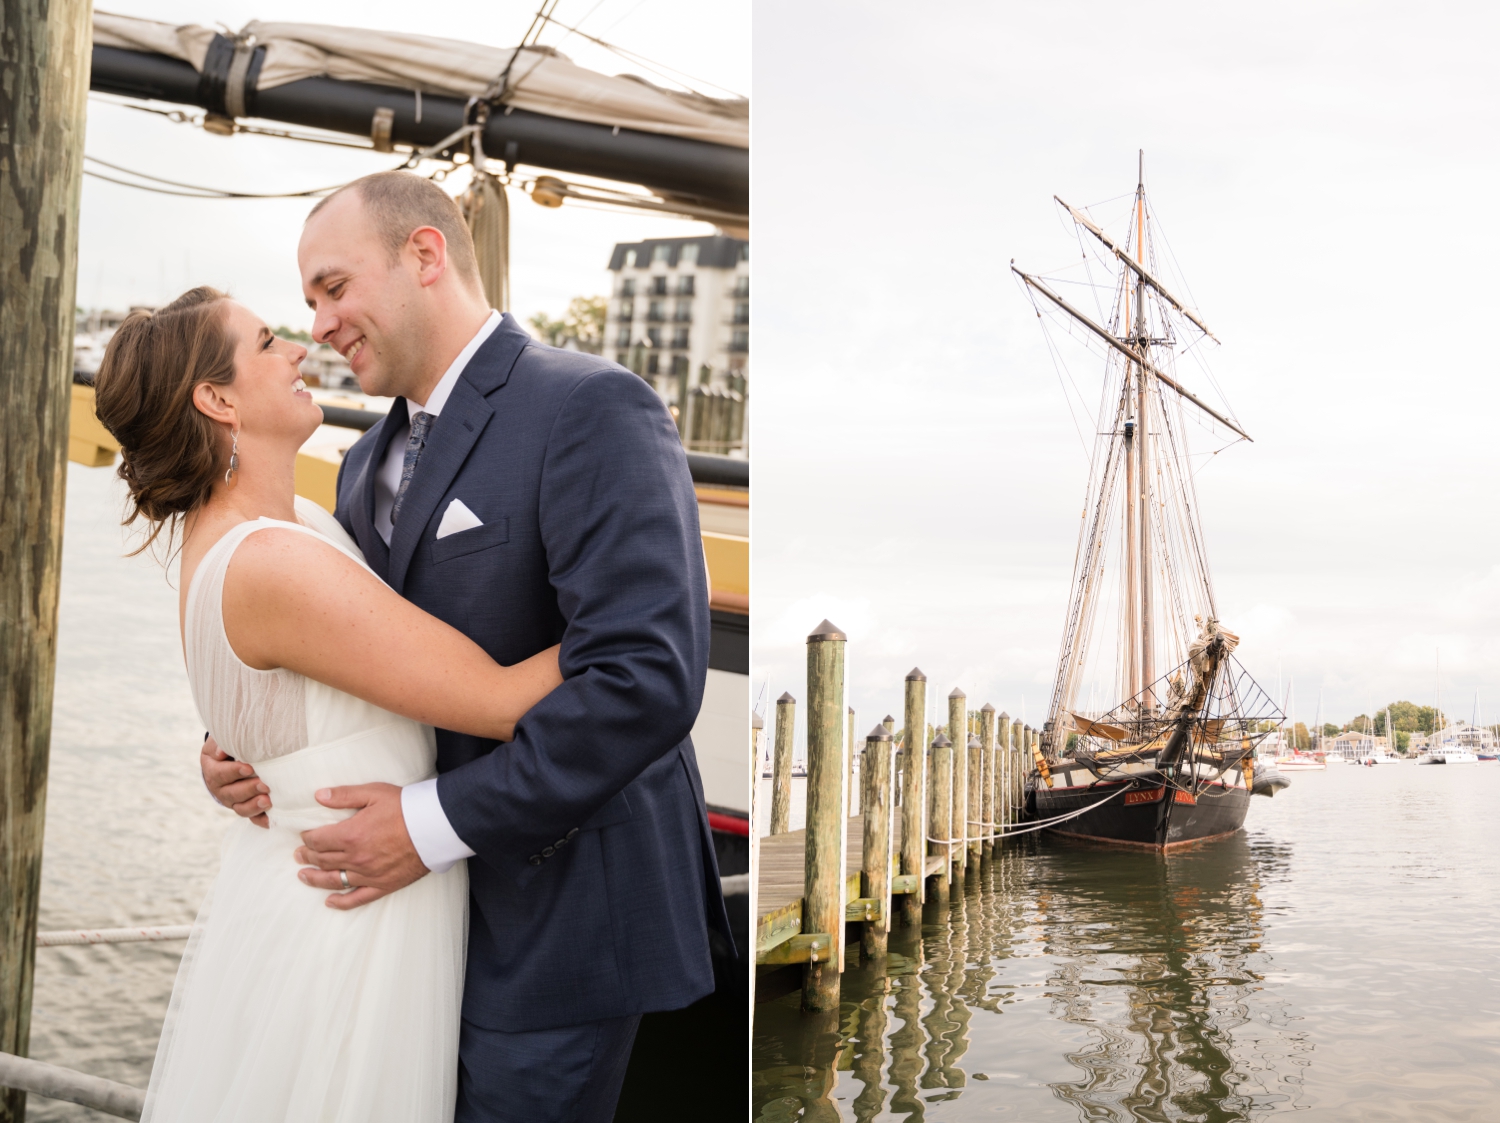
<point>132,837</point>
<point>1340,958</point>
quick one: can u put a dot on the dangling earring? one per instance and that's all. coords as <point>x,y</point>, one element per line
<point>234,456</point>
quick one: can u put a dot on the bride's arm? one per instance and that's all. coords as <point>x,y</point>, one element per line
<point>348,630</point>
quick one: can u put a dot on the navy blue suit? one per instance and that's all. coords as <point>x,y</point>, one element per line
<point>594,882</point>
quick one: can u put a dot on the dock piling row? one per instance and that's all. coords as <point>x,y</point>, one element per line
<point>932,804</point>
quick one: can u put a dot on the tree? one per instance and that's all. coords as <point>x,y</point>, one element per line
<point>1408,717</point>
<point>1300,737</point>
<point>1331,730</point>
<point>300,336</point>
<point>582,323</point>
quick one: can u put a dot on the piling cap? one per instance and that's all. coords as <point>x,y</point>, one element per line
<point>957,693</point>
<point>879,733</point>
<point>916,675</point>
<point>986,709</point>
<point>975,743</point>
<point>851,709</point>
<point>825,632</point>
<point>1004,716</point>
<point>786,699</point>
<point>757,722</point>
<point>888,717</point>
<point>941,742</point>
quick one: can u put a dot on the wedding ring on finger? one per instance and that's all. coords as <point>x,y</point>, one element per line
<point>344,879</point>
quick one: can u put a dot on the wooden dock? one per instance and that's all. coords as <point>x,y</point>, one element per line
<point>782,875</point>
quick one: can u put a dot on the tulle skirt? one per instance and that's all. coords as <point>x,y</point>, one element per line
<point>285,1009</point>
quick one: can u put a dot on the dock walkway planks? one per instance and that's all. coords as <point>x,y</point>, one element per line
<point>782,875</point>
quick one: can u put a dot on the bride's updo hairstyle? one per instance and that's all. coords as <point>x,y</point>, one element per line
<point>170,452</point>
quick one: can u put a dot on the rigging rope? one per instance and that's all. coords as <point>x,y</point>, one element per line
<point>1041,825</point>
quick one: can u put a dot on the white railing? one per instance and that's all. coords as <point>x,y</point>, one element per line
<point>58,1083</point>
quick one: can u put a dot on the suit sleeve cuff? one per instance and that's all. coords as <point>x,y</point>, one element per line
<point>434,838</point>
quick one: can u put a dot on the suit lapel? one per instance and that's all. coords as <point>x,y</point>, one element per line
<point>453,435</point>
<point>362,505</point>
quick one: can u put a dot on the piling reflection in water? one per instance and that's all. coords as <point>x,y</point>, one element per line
<point>1064,982</point>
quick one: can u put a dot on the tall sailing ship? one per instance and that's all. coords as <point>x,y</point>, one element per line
<point>1169,758</point>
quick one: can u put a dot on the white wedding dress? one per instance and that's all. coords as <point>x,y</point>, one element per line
<point>285,1009</point>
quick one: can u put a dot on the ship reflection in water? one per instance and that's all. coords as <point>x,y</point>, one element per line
<point>1065,982</point>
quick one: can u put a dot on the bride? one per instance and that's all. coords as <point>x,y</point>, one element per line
<point>304,664</point>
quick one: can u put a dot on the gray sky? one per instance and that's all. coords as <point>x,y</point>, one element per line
<point>1324,175</point>
<point>137,247</point>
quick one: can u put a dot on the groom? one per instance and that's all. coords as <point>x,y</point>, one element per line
<point>528,496</point>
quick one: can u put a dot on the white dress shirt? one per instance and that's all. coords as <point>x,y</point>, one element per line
<point>434,838</point>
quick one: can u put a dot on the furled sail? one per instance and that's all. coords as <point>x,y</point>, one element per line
<point>533,78</point>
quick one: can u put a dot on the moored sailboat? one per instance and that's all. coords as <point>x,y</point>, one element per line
<point>1174,761</point>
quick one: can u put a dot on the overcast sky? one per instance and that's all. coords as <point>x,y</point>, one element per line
<point>137,247</point>
<point>1325,175</point>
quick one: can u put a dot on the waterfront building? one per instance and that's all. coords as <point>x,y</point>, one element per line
<point>1475,739</point>
<point>1354,745</point>
<point>679,316</point>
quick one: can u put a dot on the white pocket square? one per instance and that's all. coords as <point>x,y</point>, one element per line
<point>457,517</point>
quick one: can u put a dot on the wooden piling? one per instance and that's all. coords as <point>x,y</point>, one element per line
<point>44,56</point>
<point>823,886</point>
<point>942,812</point>
<point>875,878</point>
<point>991,772</point>
<point>914,797</point>
<point>975,801</point>
<point>958,736</point>
<point>890,727</point>
<point>781,764</point>
<point>850,750</point>
<point>1004,792</point>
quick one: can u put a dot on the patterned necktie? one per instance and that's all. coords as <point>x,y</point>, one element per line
<point>420,424</point>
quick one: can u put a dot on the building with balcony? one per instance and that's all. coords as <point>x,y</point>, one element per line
<point>679,316</point>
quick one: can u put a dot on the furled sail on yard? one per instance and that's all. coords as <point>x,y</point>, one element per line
<point>533,78</point>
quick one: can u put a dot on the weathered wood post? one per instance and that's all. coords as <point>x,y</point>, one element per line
<point>942,812</point>
<point>890,727</point>
<point>875,879</point>
<point>850,742</point>
<point>823,884</point>
<point>1005,792</point>
<point>958,737</point>
<point>781,764</point>
<point>44,58</point>
<point>991,775</point>
<point>914,797</point>
<point>975,800</point>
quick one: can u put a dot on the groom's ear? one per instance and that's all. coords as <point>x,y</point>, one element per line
<point>429,250</point>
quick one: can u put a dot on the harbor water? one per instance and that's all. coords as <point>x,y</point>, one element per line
<point>1339,958</point>
<point>132,837</point>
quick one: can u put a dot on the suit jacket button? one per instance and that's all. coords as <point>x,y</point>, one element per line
<point>559,844</point>
<point>571,833</point>
<point>535,859</point>
<point>548,851</point>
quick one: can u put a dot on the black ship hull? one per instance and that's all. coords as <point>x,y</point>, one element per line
<point>1157,817</point>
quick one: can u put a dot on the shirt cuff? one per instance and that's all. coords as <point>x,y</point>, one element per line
<point>434,838</point>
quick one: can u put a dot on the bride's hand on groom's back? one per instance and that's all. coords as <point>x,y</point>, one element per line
<point>234,784</point>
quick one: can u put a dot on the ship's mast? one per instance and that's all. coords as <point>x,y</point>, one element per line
<point>1143,443</point>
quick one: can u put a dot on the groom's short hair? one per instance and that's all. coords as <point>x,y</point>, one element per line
<point>400,202</point>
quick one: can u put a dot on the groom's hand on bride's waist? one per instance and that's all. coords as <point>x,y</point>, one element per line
<point>234,784</point>
<point>372,847</point>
